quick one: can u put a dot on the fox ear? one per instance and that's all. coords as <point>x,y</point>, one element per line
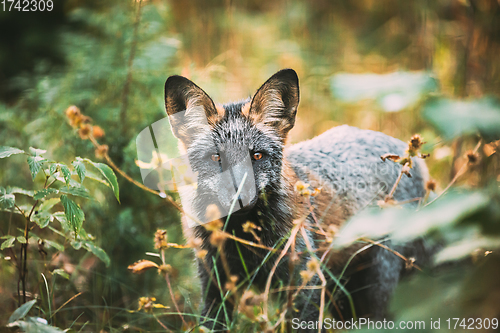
<point>275,103</point>
<point>189,108</point>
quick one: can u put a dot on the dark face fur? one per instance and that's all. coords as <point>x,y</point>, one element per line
<point>235,146</point>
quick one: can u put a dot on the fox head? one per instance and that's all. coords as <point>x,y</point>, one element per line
<point>236,149</point>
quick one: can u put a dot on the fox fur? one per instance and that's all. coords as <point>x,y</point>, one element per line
<point>343,161</point>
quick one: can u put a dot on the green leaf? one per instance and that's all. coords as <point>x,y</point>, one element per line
<point>393,91</point>
<point>42,218</point>
<point>109,175</point>
<point>43,193</point>
<point>53,168</point>
<point>8,243</point>
<point>74,214</point>
<point>33,324</point>
<point>48,204</point>
<point>37,152</point>
<point>454,118</point>
<point>8,151</point>
<point>466,247</point>
<point>406,224</point>
<point>94,176</point>
<point>7,201</point>
<point>21,239</point>
<point>55,245</point>
<point>19,190</point>
<point>77,245</point>
<point>61,217</point>
<point>97,251</point>
<point>35,164</point>
<point>79,191</point>
<point>66,173</point>
<point>60,272</point>
<point>79,168</point>
<point>22,311</point>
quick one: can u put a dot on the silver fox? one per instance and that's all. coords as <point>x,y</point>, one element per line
<point>344,162</point>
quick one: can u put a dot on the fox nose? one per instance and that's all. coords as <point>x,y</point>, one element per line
<point>242,183</point>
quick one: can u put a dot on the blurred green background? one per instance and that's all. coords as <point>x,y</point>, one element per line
<point>111,59</point>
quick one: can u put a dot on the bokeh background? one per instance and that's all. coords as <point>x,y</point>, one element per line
<point>374,64</point>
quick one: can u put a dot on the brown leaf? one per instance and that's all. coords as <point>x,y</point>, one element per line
<point>142,266</point>
<point>392,157</point>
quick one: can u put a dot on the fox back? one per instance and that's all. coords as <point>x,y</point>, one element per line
<point>246,179</point>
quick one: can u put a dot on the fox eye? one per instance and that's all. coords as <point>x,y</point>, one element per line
<point>257,156</point>
<point>215,157</point>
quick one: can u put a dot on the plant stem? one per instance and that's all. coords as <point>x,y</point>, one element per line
<point>173,299</point>
<point>390,195</point>
<point>130,179</point>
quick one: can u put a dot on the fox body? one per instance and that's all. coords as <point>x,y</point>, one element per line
<point>248,138</point>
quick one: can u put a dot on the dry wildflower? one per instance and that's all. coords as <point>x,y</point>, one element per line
<point>164,269</point>
<point>217,238</point>
<point>97,132</point>
<point>195,242</point>
<point>316,192</point>
<point>249,227</point>
<point>430,185</point>
<point>201,254</point>
<point>72,112</point>
<point>214,225</point>
<point>306,193</point>
<point>424,156</point>
<point>148,304</point>
<point>84,131</point>
<point>406,160</point>
<point>472,157</point>
<point>415,143</point>
<point>312,265</point>
<point>250,304</point>
<point>300,186</point>
<point>307,275</point>
<point>212,212</point>
<point>410,263</point>
<point>161,239</point>
<point>141,266</point>
<point>331,231</point>
<point>101,151</point>
<point>231,284</point>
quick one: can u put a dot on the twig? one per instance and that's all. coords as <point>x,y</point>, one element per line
<point>65,303</point>
<point>130,179</point>
<point>293,234</point>
<point>390,195</point>
<point>162,324</point>
<point>390,250</point>
<point>459,173</point>
<point>173,299</point>
<point>244,241</point>
<point>321,277</point>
